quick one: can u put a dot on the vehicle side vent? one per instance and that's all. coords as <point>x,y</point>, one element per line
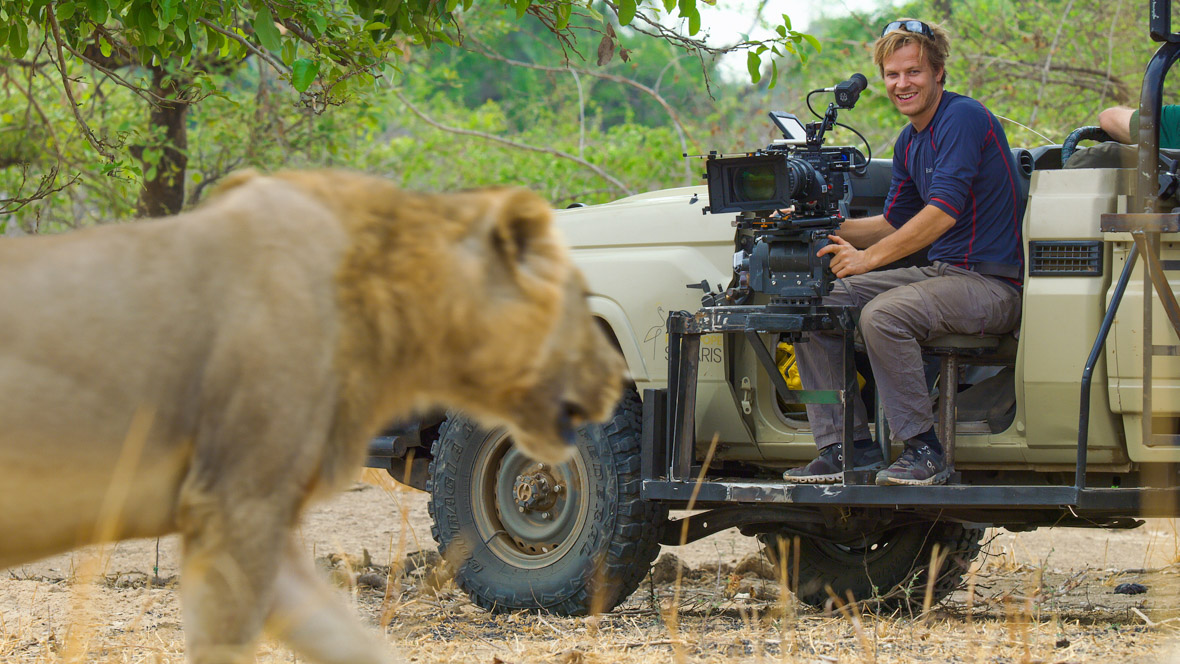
<point>1070,258</point>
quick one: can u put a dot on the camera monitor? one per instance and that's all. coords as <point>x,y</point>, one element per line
<point>790,125</point>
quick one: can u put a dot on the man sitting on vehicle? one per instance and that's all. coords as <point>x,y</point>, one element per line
<point>953,190</point>
<point>1122,123</point>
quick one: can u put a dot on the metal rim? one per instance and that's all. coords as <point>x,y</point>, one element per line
<point>869,549</point>
<point>527,513</point>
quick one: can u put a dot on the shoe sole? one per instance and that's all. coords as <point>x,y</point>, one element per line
<point>834,478</point>
<point>938,478</point>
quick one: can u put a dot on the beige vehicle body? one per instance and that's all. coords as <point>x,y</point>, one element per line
<point>640,253</point>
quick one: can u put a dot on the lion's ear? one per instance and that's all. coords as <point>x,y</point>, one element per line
<point>522,234</point>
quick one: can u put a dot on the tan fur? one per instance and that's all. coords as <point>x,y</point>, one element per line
<point>208,373</point>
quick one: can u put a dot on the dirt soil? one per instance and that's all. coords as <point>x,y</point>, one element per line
<point>1047,596</point>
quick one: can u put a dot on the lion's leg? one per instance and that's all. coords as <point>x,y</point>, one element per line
<point>308,616</point>
<point>231,559</point>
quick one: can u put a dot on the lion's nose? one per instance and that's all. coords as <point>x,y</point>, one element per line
<point>572,416</point>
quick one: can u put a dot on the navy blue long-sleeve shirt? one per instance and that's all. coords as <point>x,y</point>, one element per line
<point>961,164</point>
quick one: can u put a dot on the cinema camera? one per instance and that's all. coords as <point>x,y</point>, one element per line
<point>789,197</point>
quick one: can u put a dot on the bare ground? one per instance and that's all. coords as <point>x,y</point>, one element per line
<point>1046,597</point>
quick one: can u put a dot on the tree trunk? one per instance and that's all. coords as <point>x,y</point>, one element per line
<point>163,193</point>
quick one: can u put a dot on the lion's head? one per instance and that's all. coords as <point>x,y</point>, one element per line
<point>478,307</point>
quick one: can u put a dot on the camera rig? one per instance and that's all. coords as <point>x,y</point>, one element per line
<point>789,197</point>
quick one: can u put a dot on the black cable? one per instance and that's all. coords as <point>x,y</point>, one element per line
<point>809,103</point>
<point>864,169</point>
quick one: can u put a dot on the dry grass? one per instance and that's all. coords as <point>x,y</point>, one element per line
<point>1018,607</point>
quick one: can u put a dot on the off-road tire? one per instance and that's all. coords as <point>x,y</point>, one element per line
<point>601,559</point>
<point>891,568</point>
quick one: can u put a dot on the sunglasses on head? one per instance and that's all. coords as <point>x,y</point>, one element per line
<point>916,27</point>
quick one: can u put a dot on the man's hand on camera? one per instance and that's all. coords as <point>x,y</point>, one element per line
<point>847,260</point>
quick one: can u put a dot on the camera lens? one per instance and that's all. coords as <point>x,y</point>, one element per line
<point>754,183</point>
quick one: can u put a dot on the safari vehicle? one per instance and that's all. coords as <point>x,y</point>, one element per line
<point>1074,420</point>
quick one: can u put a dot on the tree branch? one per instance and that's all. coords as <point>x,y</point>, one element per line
<point>515,144</point>
<point>44,188</point>
<point>1101,81</point>
<point>65,81</point>
<point>676,124</point>
<point>245,42</point>
<point>143,93</point>
<point>1049,63</point>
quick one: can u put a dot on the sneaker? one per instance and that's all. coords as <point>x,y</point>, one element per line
<point>918,465</point>
<point>828,467</point>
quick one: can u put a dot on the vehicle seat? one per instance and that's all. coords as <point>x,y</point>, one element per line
<point>952,350</point>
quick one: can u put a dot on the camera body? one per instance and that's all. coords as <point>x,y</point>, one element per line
<point>789,197</point>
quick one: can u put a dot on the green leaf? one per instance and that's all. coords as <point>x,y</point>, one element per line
<point>563,15</point>
<point>104,47</point>
<point>215,39</point>
<point>687,7</point>
<point>814,43</point>
<point>668,5</point>
<point>167,13</point>
<point>320,23</point>
<point>773,74</point>
<point>694,22</point>
<point>522,7</point>
<point>288,53</point>
<point>627,10</point>
<point>65,10</point>
<point>375,25</point>
<point>787,21</point>
<point>146,21</point>
<point>451,5</point>
<point>754,65</point>
<point>268,34</point>
<point>303,72</point>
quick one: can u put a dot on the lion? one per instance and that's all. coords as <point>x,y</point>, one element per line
<point>210,373</point>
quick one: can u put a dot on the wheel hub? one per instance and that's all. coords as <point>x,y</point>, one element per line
<point>535,491</point>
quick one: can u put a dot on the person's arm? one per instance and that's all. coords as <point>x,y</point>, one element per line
<point>866,231</point>
<point>919,232</point>
<point>1116,121</point>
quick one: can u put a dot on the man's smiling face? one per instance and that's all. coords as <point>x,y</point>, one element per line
<point>912,84</point>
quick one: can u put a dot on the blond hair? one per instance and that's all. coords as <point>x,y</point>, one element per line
<point>934,50</point>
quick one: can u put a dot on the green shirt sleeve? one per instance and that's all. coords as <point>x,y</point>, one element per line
<point>1169,126</point>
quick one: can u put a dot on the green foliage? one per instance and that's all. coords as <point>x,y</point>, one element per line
<point>155,87</point>
<point>1030,62</point>
<point>1051,64</point>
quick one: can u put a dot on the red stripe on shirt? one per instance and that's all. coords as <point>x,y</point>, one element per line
<point>946,204</point>
<point>903,182</point>
<point>1011,184</point>
<point>894,201</point>
<point>974,222</point>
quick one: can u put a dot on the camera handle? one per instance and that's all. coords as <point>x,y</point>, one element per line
<point>816,130</point>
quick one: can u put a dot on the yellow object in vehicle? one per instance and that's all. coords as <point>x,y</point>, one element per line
<point>784,357</point>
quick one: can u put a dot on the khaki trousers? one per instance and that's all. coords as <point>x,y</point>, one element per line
<point>898,309</point>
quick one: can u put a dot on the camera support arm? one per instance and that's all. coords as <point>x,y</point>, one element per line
<point>816,130</point>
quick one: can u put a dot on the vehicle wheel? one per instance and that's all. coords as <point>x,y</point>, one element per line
<point>572,539</point>
<point>891,567</point>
